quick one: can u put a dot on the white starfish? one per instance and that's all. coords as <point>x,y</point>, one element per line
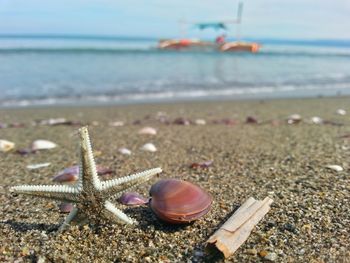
<point>90,195</point>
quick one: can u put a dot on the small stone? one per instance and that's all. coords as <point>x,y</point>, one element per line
<point>41,259</point>
<point>289,227</point>
<point>307,228</point>
<point>25,251</point>
<point>271,256</point>
<point>263,253</point>
<point>252,251</point>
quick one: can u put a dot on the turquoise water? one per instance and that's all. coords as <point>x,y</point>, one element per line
<point>46,70</point>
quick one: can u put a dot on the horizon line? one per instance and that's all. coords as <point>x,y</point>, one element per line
<point>271,40</point>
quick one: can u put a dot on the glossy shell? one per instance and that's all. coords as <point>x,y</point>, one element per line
<point>131,198</point>
<point>178,202</point>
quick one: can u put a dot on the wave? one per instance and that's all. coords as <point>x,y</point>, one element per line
<point>263,92</point>
<point>154,50</point>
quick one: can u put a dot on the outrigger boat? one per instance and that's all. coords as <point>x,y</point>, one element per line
<point>220,44</point>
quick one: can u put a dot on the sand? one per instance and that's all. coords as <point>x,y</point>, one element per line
<point>309,220</point>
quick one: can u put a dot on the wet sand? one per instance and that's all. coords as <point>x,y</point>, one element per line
<point>309,220</point>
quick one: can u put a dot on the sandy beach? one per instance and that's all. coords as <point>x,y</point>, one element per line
<point>309,220</point>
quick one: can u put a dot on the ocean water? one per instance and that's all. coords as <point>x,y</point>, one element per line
<point>71,70</point>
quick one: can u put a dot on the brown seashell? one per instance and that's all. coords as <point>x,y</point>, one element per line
<point>179,202</point>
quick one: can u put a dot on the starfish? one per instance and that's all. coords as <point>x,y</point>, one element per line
<point>89,195</point>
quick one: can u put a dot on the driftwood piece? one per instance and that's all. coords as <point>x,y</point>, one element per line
<point>235,231</point>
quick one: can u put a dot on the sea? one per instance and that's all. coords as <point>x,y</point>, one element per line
<point>89,70</point>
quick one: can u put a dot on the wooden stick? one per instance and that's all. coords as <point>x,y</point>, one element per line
<point>236,230</point>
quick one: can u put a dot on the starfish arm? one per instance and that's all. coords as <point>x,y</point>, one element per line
<point>112,212</point>
<point>56,192</point>
<point>120,185</point>
<point>68,219</point>
<point>87,173</point>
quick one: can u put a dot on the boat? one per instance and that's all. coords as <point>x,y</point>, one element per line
<point>219,44</point>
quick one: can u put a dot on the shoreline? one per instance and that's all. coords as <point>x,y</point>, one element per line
<point>165,101</point>
<point>308,221</point>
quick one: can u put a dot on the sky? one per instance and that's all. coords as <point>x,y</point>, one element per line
<point>281,19</point>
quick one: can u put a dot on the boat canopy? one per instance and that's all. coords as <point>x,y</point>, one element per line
<point>216,26</point>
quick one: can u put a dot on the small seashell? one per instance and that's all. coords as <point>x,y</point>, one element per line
<point>53,121</point>
<point>345,136</point>
<point>131,198</point>
<point>66,207</point>
<point>316,120</point>
<point>294,119</point>
<point>37,166</point>
<point>179,202</point>
<point>205,164</point>
<point>43,145</point>
<point>71,174</point>
<point>124,151</point>
<point>336,168</point>
<point>225,121</point>
<point>17,125</point>
<point>148,130</point>
<point>3,125</point>
<point>137,122</point>
<point>149,147</point>
<point>116,124</point>
<point>182,121</point>
<point>25,151</point>
<point>200,122</point>
<point>251,119</point>
<point>341,112</point>
<point>6,146</point>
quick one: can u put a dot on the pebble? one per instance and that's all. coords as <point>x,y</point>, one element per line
<point>271,256</point>
<point>252,251</point>
<point>263,253</point>
<point>289,227</point>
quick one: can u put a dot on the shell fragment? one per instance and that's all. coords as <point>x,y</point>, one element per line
<point>43,145</point>
<point>336,168</point>
<point>6,146</point>
<point>149,147</point>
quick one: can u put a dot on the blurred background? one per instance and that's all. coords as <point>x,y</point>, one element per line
<point>98,52</point>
